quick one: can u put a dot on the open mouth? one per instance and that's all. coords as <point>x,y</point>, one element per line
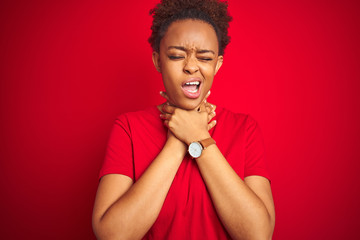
<point>192,87</point>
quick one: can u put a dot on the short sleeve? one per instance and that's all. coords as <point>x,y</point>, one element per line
<point>119,157</point>
<point>255,161</point>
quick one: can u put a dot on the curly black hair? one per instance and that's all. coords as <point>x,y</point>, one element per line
<point>213,12</point>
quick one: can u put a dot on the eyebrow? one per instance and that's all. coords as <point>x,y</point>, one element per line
<point>185,49</point>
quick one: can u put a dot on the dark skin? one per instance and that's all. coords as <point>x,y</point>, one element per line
<point>205,108</point>
<point>126,210</point>
<point>185,56</point>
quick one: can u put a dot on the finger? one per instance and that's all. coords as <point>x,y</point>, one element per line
<point>212,107</point>
<point>168,109</point>
<point>207,95</point>
<point>200,108</point>
<point>211,116</point>
<point>166,123</point>
<point>165,116</point>
<point>211,124</point>
<point>205,98</point>
<point>164,95</point>
<point>209,107</point>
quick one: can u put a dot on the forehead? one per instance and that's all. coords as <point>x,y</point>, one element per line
<point>191,34</point>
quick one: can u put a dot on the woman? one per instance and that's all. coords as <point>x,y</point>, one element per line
<point>172,171</point>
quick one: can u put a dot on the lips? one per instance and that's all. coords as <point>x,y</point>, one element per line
<point>192,87</point>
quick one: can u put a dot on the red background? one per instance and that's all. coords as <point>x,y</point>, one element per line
<point>68,68</point>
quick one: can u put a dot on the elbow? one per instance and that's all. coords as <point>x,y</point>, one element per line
<point>266,236</point>
<point>104,234</point>
<point>99,231</point>
<point>265,229</point>
<point>108,230</point>
<point>103,231</point>
<point>259,230</point>
<point>262,234</point>
<point>105,228</point>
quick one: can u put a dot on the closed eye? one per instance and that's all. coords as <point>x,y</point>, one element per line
<point>175,57</point>
<point>205,59</point>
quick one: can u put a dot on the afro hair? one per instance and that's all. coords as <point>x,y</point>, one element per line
<point>213,12</point>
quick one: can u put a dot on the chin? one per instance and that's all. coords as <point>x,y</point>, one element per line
<point>189,104</point>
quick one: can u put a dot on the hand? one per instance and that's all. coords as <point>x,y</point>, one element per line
<point>189,125</point>
<point>203,106</point>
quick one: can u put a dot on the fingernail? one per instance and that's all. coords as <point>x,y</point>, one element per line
<point>209,92</point>
<point>161,93</point>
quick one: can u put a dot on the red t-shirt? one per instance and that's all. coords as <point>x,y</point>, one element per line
<point>188,212</point>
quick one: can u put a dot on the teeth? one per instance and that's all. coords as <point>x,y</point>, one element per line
<point>193,83</point>
<point>192,91</point>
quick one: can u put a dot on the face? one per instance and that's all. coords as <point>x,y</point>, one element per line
<point>188,61</point>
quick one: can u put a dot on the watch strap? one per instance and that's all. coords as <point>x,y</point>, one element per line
<point>207,142</point>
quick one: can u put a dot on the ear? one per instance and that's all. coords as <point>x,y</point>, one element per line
<point>219,63</point>
<point>156,60</point>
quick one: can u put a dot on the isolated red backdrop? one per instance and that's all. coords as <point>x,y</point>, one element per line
<point>69,67</point>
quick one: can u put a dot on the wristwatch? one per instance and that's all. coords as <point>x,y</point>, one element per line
<point>196,148</point>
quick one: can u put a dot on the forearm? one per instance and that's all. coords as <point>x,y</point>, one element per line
<point>132,215</point>
<point>241,211</point>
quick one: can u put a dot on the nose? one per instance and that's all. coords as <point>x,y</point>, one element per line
<point>191,66</point>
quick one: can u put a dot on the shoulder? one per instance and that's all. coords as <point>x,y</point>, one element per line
<point>139,119</point>
<point>148,113</point>
<point>235,118</point>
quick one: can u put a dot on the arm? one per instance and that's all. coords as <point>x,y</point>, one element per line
<point>127,210</point>
<point>245,207</point>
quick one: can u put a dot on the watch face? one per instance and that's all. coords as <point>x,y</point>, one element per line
<point>195,149</point>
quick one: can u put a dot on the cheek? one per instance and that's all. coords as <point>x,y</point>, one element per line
<point>170,74</point>
<point>208,72</point>
<point>168,80</point>
<point>170,84</point>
